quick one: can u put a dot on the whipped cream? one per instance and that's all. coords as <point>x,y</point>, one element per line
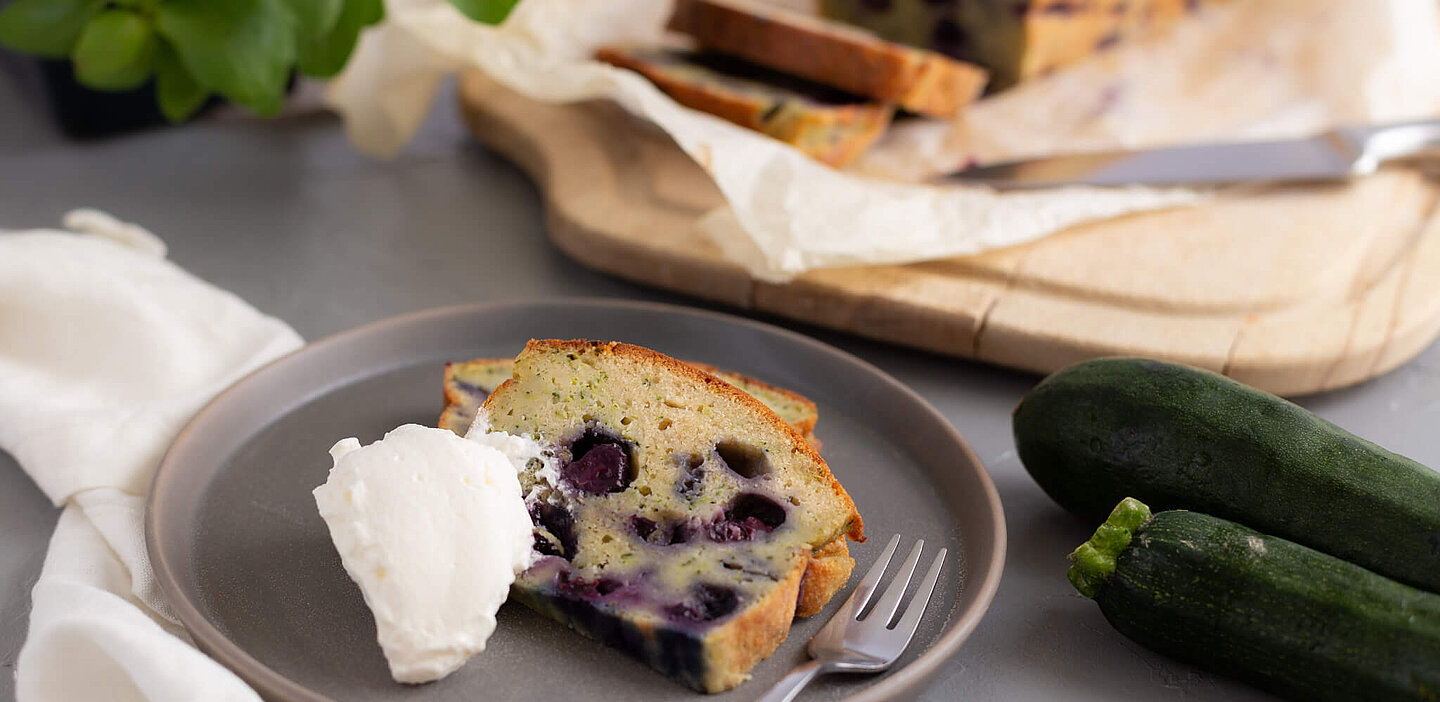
<point>433,529</point>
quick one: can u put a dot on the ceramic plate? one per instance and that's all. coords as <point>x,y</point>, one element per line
<point>248,565</point>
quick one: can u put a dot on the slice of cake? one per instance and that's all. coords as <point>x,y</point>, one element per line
<point>832,53</point>
<point>792,407</point>
<point>1014,39</point>
<point>678,516</point>
<point>828,125</point>
<point>467,383</point>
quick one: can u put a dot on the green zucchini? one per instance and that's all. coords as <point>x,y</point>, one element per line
<point>1177,437</point>
<point>1281,616</point>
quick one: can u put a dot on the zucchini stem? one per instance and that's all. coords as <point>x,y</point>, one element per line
<point>1094,561</point>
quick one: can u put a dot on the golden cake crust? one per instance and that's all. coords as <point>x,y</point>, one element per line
<point>739,644</point>
<point>833,54</point>
<point>826,571</point>
<point>834,134</point>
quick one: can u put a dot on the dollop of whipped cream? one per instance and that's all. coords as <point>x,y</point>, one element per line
<point>433,529</point>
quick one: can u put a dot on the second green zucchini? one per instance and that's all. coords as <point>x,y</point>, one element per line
<point>1284,617</point>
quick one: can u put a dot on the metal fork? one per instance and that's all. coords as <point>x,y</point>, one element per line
<point>850,644</point>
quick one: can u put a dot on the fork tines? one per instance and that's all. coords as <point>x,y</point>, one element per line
<point>883,612</point>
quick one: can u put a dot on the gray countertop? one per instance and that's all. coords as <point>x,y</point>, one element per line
<point>286,215</point>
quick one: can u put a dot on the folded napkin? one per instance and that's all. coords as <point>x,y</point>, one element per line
<point>106,351</point>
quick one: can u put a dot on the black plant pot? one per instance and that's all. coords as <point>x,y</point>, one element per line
<point>80,112</point>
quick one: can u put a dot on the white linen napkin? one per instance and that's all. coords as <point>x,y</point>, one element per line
<point>106,350</point>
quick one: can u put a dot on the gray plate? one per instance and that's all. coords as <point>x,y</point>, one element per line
<point>248,565</point>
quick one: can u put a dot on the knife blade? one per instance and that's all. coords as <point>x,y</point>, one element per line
<point>1334,155</point>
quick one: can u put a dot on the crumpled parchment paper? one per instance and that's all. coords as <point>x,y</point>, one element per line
<point>1242,68</point>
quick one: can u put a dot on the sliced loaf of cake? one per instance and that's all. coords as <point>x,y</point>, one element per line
<point>832,53</point>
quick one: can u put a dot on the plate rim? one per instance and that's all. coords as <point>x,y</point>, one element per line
<point>273,685</point>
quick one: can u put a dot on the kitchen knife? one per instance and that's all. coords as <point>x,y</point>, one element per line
<point>1338,154</point>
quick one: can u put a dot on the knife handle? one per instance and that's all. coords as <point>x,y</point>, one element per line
<point>1373,146</point>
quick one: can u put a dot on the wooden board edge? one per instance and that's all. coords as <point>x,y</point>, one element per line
<point>973,333</point>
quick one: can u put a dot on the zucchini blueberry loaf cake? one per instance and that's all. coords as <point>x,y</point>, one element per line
<point>1013,39</point>
<point>678,517</point>
<point>468,383</point>
<point>827,124</point>
<point>832,53</point>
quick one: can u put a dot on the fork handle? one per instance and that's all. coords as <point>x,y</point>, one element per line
<point>790,685</point>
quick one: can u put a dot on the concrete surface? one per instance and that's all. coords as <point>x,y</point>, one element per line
<point>286,215</point>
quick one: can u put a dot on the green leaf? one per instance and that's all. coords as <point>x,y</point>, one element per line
<point>241,49</point>
<point>45,27</point>
<point>314,18</point>
<point>323,57</point>
<point>487,11</point>
<point>116,51</point>
<point>178,93</point>
<point>366,12</point>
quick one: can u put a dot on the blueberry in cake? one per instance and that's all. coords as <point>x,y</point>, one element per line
<point>679,516</point>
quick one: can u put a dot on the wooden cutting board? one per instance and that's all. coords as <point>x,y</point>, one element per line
<point>1290,289</point>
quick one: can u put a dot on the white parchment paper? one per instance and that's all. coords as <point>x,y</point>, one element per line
<point>1244,68</point>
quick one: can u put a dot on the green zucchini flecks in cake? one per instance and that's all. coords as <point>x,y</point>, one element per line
<point>467,383</point>
<point>677,516</point>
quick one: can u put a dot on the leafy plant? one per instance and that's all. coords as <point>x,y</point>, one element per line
<point>242,50</point>
<point>487,11</point>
